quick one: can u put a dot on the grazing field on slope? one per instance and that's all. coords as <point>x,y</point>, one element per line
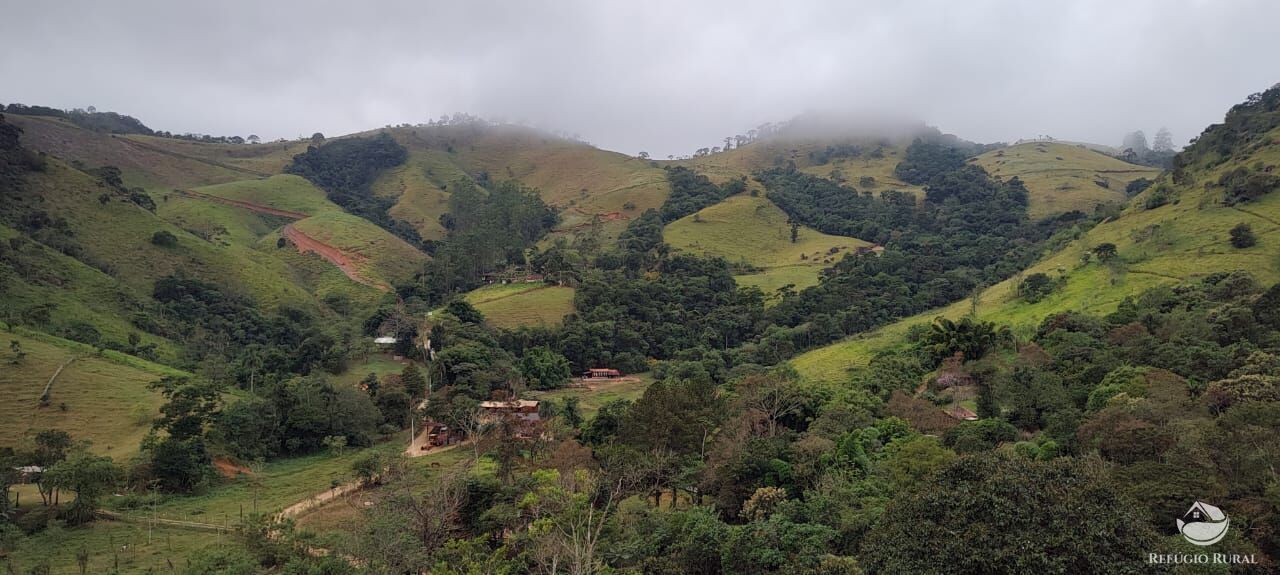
<point>1064,177</point>
<point>141,166</point>
<point>70,291</point>
<point>768,153</point>
<point>132,547</point>
<point>752,230</point>
<point>93,398</point>
<point>522,304</point>
<point>581,180</point>
<point>420,188</point>
<point>116,235</point>
<point>1185,240</point>
<point>375,253</point>
<point>283,192</point>
<point>265,158</point>
<point>373,250</point>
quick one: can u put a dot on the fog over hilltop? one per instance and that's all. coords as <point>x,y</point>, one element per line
<point>665,77</point>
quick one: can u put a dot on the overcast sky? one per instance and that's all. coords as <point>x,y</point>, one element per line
<point>665,77</point>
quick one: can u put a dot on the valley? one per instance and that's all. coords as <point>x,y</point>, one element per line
<point>769,356</point>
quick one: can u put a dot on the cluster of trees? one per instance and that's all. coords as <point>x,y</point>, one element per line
<point>89,118</point>
<point>925,160</point>
<point>691,191</point>
<point>346,169</point>
<point>1159,154</point>
<point>64,466</point>
<point>488,229</point>
<point>229,338</point>
<point>970,231</point>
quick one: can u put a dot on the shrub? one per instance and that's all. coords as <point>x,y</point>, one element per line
<point>164,239</point>
<point>1242,236</point>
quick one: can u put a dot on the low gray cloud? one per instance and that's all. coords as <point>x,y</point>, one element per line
<point>661,76</point>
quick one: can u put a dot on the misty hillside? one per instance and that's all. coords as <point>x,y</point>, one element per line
<point>811,331</point>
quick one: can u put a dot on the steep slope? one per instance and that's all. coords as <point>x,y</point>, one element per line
<point>584,182</point>
<point>1177,230</point>
<point>1064,177</point>
<point>143,166</point>
<point>103,399</point>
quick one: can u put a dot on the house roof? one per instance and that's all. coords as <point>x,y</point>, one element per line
<point>384,339</point>
<point>508,404</point>
<point>961,412</point>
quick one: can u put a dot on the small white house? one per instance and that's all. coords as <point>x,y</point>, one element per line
<point>385,341</point>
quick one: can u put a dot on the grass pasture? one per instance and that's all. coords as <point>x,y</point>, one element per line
<point>522,304</point>
<point>754,231</point>
<point>113,547</point>
<point>107,402</point>
<point>1064,177</point>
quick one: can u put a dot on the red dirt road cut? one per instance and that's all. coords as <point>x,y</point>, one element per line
<point>348,263</point>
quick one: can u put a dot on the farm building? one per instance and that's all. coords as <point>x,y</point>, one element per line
<point>601,373</point>
<point>960,412</point>
<point>526,410</point>
<point>522,412</point>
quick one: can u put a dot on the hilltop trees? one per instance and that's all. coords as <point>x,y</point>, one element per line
<point>346,168</point>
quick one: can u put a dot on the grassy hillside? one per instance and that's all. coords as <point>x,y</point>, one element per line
<point>144,166</point>
<point>102,399</point>
<point>522,304</point>
<point>116,235</point>
<point>1064,177</point>
<point>581,180</point>
<point>754,231</point>
<point>1183,240</point>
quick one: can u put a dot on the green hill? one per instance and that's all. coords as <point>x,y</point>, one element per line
<point>1064,177</point>
<point>1177,230</point>
<point>581,180</point>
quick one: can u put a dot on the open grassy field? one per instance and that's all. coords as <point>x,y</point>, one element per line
<point>522,304</point>
<point>1063,177</point>
<point>590,400</point>
<point>104,400</point>
<point>277,485</point>
<point>752,230</point>
<point>1181,241</point>
<point>112,544</point>
<point>378,363</point>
